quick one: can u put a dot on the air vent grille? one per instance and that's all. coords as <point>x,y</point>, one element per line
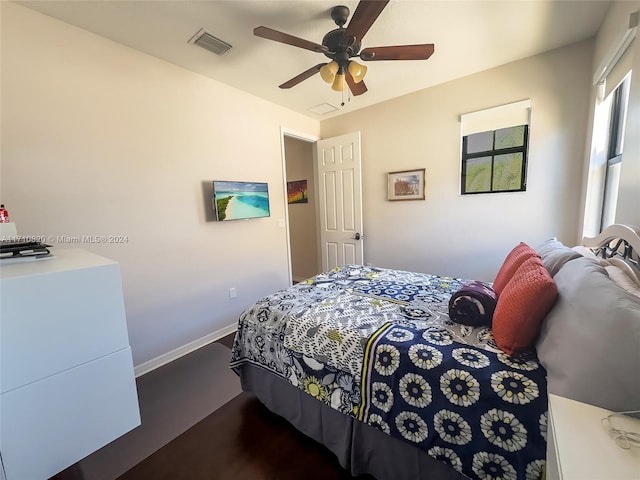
<point>323,108</point>
<point>210,42</point>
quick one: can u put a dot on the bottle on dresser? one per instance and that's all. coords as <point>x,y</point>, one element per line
<point>4,214</point>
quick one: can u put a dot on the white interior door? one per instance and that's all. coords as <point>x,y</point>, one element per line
<point>338,173</point>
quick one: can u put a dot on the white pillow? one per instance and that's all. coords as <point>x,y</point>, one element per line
<point>554,255</point>
<point>589,341</point>
<point>622,275</point>
<point>585,251</point>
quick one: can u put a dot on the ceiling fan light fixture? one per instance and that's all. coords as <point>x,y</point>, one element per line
<point>339,84</point>
<point>357,71</point>
<point>341,44</point>
<point>328,71</point>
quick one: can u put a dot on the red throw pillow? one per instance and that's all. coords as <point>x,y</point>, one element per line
<point>522,307</point>
<point>516,257</point>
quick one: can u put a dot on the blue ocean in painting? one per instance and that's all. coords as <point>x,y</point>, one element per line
<point>260,201</point>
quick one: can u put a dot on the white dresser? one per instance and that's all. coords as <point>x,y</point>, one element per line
<point>579,446</point>
<point>66,372</point>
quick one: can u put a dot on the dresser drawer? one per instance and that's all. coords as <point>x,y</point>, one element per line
<point>54,318</point>
<point>51,424</point>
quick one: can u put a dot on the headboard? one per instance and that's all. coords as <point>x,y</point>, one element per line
<point>620,244</point>
<point>617,241</point>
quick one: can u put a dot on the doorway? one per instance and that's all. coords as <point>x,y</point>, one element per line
<point>328,232</point>
<point>301,206</point>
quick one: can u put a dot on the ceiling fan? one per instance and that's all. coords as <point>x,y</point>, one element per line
<point>342,44</point>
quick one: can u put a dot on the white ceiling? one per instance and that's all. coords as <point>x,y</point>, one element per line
<point>469,36</point>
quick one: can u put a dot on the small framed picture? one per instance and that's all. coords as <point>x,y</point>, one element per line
<point>297,192</point>
<point>406,185</point>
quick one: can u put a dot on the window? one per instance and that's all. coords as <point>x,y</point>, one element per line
<point>495,143</point>
<point>495,160</point>
<point>608,187</point>
<point>615,141</point>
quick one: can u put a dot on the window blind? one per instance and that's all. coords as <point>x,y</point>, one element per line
<point>618,63</point>
<point>504,116</point>
<point>620,70</point>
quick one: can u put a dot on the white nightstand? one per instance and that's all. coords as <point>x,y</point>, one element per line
<point>579,446</point>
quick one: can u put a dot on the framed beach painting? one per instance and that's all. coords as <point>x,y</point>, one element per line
<point>406,185</point>
<point>297,192</point>
<point>240,200</point>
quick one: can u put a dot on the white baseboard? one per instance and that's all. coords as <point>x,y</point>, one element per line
<point>165,358</point>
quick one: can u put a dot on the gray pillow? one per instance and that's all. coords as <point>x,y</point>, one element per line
<point>554,255</point>
<point>590,341</point>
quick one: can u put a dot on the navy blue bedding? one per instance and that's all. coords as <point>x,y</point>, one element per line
<point>378,345</point>
<point>481,412</point>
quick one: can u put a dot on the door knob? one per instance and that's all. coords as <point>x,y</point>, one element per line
<point>357,237</point>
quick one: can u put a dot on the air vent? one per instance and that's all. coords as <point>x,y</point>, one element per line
<point>323,108</point>
<point>209,42</point>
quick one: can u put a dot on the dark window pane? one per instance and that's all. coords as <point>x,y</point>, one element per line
<point>478,175</point>
<point>510,137</point>
<point>480,142</point>
<point>507,172</point>
<point>618,116</point>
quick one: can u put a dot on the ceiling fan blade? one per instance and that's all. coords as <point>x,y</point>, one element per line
<point>303,76</point>
<point>366,13</point>
<point>275,35</point>
<point>399,52</point>
<point>356,88</point>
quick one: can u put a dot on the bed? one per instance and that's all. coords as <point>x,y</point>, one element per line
<point>380,367</point>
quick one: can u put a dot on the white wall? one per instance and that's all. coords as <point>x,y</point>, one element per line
<point>302,216</point>
<point>100,139</point>
<point>612,30</point>
<point>469,236</point>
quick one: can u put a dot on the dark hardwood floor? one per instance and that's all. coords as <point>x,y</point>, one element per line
<point>241,440</point>
<point>228,340</point>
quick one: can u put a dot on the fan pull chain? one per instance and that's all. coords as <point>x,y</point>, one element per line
<point>348,96</point>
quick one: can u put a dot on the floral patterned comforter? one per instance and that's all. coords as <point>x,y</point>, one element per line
<point>378,345</point>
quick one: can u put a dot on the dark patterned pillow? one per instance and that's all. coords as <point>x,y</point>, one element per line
<point>473,304</point>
